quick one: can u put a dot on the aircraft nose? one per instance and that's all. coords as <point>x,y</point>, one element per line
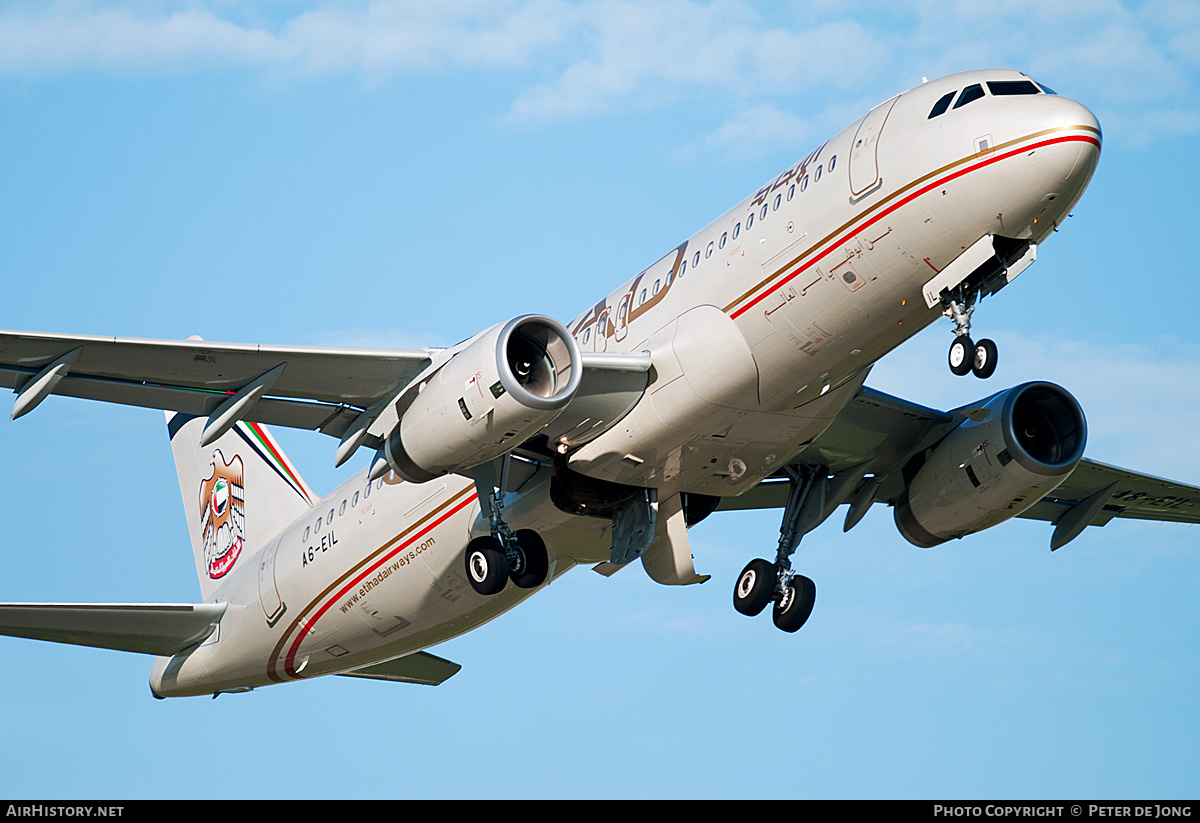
<point>1074,138</point>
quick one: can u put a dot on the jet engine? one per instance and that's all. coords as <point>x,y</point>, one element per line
<point>490,397</point>
<point>1013,449</point>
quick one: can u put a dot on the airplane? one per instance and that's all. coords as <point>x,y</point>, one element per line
<point>729,374</point>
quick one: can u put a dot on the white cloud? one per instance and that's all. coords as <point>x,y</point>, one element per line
<point>751,134</point>
<point>71,35</point>
<point>647,52</point>
<point>386,36</point>
<point>583,59</point>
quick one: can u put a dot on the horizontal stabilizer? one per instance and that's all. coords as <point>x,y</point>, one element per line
<point>147,628</point>
<point>423,668</point>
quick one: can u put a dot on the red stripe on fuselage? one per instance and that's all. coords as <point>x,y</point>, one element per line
<point>289,663</point>
<point>902,202</point>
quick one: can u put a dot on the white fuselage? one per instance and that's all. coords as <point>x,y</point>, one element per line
<point>760,327</point>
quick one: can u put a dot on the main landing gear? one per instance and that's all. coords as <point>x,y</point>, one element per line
<point>492,560</point>
<point>763,582</point>
<point>965,355</point>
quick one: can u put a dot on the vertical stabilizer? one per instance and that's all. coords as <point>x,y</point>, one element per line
<point>238,493</point>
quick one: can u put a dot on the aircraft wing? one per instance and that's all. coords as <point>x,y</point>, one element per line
<point>317,388</point>
<point>305,387</point>
<point>148,628</point>
<point>883,432</point>
<point>1137,496</point>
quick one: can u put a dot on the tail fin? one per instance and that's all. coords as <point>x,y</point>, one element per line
<point>238,493</point>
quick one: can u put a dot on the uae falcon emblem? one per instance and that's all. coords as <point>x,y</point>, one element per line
<point>222,514</point>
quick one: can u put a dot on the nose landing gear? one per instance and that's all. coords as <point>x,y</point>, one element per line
<point>965,355</point>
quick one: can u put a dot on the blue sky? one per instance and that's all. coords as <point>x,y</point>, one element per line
<point>406,174</point>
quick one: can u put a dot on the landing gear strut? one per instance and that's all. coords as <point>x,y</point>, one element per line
<point>762,582</point>
<point>491,561</point>
<point>965,355</point>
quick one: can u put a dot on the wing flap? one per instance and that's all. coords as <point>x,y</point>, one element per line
<point>147,628</point>
<point>421,668</point>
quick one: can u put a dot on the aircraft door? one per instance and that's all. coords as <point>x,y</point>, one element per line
<point>601,342</point>
<point>864,152</point>
<point>621,327</point>
<point>268,591</point>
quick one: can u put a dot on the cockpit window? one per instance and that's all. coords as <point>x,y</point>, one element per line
<point>941,105</point>
<point>1001,88</point>
<point>1046,88</point>
<point>970,95</point>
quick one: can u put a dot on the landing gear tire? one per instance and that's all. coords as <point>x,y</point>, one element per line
<point>487,565</point>
<point>755,587</point>
<point>534,560</point>
<point>792,610</point>
<point>962,355</point>
<point>985,359</point>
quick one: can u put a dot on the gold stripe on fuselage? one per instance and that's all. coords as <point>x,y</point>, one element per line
<point>898,194</point>
<point>273,660</point>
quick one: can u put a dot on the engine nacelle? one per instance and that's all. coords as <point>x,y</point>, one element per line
<point>490,397</point>
<point>1016,448</point>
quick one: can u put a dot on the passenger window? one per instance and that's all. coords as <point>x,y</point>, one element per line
<point>342,509</point>
<point>763,214</point>
<point>354,502</point>
<point>708,251</point>
<point>642,299</point>
<point>317,526</point>
<point>367,491</point>
<point>804,183</point>
<point>656,287</point>
<point>778,200</point>
<point>970,95</point>
<point>817,175</point>
<point>724,235</point>
<point>683,268</point>
<point>939,107</point>
<point>749,221</point>
<point>791,191</point>
<point>307,532</point>
<point>696,260</point>
<point>832,162</point>
<point>737,230</point>
<point>329,519</point>
<point>1002,88</point>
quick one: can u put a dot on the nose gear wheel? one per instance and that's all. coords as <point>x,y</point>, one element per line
<point>966,355</point>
